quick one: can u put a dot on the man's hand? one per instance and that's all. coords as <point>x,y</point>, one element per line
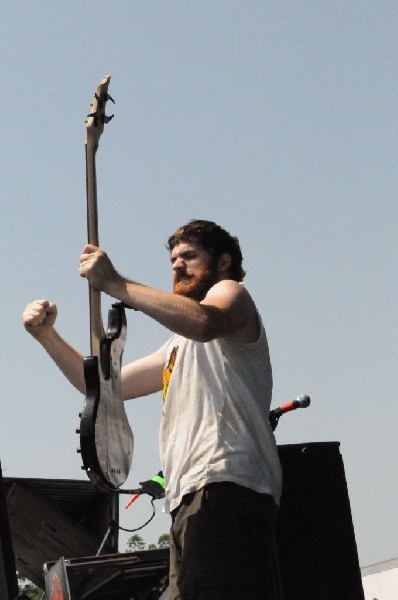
<point>98,269</point>
<point>39,317</point>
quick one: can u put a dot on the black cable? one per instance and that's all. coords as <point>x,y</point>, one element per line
<point>145,524</point>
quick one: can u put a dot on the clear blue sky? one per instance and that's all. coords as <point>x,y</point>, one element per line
<point>277,119</point>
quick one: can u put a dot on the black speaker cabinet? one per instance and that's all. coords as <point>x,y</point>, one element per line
<point>316,548</point>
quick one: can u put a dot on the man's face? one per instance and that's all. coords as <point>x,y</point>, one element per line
<point>194,270</point>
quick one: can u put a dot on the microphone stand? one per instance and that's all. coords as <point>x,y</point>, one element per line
<point>301,401</point>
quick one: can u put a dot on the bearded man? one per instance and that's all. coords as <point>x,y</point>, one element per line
<point>217,449</point>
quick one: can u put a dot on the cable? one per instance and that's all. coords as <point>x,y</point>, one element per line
<point>145,524</point>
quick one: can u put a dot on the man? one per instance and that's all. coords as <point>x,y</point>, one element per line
<point>218,453</point>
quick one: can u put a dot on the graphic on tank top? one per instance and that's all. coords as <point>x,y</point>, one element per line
<point>168,371</point>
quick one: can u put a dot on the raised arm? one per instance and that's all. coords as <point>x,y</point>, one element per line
<point>226,311</point>
<point>140,378</point>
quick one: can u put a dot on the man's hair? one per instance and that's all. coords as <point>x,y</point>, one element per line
<point>214,239</point>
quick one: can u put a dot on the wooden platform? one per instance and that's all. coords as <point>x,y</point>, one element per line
<point>54,518</point>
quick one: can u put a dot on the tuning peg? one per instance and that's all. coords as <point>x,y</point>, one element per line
<point>79,450</point>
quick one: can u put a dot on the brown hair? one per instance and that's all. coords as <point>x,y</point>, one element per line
<point>214,239</point>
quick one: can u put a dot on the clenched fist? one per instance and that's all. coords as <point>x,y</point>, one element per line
<point>39,317</point>
<point>98,269</point>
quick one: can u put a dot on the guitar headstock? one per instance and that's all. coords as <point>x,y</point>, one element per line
<point>97,118</point>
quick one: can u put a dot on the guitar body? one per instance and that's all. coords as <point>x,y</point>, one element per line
<point>106,439</point>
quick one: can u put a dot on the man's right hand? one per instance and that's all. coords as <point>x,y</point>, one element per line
<point>39,317</point>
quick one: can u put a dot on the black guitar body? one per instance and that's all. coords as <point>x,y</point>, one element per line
<point>106,439</point>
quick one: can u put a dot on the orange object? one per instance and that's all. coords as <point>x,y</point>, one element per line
<point>132,499</point>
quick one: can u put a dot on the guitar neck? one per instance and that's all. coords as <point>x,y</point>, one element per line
<point>96,326</point>
<point>94,127</point>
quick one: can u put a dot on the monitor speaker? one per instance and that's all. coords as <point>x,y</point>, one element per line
<point>316,550</point>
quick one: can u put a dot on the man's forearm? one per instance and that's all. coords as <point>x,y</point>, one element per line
<point>181,315</point>
<point>67,359</point>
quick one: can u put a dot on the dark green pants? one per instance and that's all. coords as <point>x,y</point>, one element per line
<point>222,544</point>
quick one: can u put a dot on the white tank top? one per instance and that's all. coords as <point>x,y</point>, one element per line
<point>215,424</point>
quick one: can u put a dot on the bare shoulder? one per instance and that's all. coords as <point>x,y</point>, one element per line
<point>227,291</point>
<point>240,318</point>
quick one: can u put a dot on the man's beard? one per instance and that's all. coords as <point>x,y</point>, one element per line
<point>195,286</point>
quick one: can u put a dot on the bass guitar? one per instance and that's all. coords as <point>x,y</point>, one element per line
<point>106,439</point>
